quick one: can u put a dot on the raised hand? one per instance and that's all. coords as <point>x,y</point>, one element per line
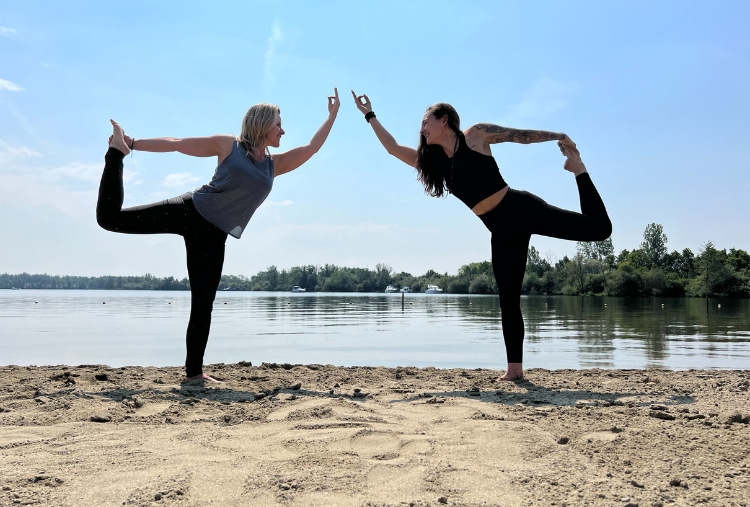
<point>362,102</point>
<point>334,103</point>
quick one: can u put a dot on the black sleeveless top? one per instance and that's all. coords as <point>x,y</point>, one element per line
<point>472,176</point>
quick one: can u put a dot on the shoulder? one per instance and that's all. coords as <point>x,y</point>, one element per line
<point>476,139</point>
<point>225,144</point>
<point>477,133</point>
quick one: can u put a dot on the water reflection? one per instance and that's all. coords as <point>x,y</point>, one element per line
<point>145,327</point>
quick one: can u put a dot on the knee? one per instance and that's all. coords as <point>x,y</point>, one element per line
<point>604,230</point>
<point>510,303</point>
<point>105,220</point>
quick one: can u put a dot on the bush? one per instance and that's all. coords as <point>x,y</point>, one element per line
<point>481,285</point>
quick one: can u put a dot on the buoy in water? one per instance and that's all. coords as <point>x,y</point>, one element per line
<point>719,305</point>
<point>104,302</point>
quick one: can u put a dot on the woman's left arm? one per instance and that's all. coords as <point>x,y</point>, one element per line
<point>292,159</point>
<point>487,133</point>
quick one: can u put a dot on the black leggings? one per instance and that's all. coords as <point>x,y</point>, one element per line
<point>519,215</point>
<point>204,243</point>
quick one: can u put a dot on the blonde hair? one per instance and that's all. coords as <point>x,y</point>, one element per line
<point>258,121</point>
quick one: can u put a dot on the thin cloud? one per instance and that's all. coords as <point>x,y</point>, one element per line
<point>10,86</point>
<point>76,171</point>
<point>276,38</point>
<point>179,179</point>
<point>285,202</point>
<point>10,153</point>
<point>7,32</point>
<point>545,96</point>
<point>29,191</point>
<point>337,230</point>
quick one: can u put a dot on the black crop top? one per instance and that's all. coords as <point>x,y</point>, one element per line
<point>472,176</point>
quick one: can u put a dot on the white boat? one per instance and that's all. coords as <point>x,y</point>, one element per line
<point>433,289</point>
<point>297,288</point>
<point>390,289</point>
<point>405,289</point>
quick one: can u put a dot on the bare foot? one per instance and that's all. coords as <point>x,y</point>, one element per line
<point>514,372</point>
<point>573,163</point>
<point>203,377</point>
<point>117,140</point>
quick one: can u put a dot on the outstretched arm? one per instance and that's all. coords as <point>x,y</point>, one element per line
<point>487,133</point>
<point>211,146</point>
<point>292,159</point>
<point>405,154</point>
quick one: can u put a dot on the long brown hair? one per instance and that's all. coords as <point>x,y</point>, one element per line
<point>432,163</point>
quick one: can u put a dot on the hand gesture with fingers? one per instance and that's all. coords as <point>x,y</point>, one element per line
<point>362,102</point>
<point>334,103</point>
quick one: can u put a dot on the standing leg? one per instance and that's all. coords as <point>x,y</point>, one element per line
<point>509,253</point>
<point>205,259</point>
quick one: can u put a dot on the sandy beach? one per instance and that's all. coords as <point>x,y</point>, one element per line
<point>315,435</point>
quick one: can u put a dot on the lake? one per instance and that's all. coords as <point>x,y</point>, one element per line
<point>118,328</point>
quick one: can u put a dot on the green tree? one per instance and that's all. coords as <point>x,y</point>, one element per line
<point>654,245</point>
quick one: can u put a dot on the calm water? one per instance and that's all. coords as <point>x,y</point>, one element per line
<point>147,328</point>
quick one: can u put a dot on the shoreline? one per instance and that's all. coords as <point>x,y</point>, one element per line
<point>282,434</point>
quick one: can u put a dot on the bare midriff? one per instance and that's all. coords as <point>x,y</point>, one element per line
<point>488,204</point>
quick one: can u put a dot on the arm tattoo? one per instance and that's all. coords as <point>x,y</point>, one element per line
<point>509,135</point>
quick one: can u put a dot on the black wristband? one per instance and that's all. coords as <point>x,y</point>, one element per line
<point>369,116</point>
<point>132,143</point>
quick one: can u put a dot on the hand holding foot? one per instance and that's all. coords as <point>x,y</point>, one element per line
<point>514,372</point>
<point>117,139</point>
<point>573,163</point>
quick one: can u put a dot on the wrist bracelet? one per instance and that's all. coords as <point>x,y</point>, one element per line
<point>132,143</point>
<point>369,116</point>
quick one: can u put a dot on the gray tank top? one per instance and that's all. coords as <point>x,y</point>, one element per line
<point>237,188</point>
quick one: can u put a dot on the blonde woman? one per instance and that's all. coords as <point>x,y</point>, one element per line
<point>243,179</point>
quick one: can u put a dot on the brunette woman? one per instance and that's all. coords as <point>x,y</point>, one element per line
<point>461,163</point>
<point>242,180</point>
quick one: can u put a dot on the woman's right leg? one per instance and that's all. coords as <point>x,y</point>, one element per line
<point>591,224</point>
<point>169,216</point>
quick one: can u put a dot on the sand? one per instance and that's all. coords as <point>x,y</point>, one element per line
<point>314,435</point>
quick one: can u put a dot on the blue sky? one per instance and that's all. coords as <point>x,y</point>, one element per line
<point>654,93</point>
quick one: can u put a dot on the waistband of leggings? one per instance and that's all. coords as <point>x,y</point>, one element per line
<point>497,210</point>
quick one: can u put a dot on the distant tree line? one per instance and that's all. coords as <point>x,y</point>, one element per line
<point>146,282</point>
<point>649,270</point>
